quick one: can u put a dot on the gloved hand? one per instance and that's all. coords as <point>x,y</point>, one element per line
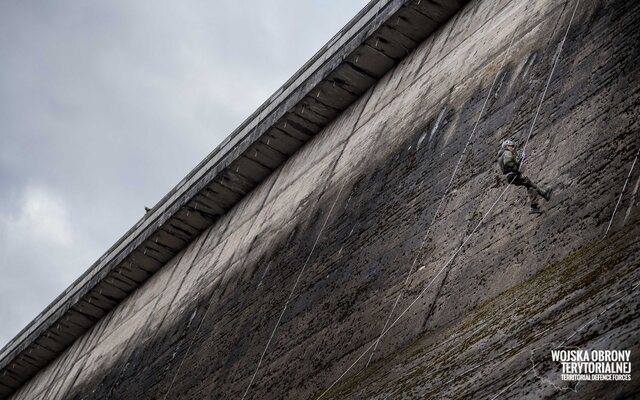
<point>521,155</point>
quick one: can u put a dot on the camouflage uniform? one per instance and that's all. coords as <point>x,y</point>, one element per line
<point>510,166</point>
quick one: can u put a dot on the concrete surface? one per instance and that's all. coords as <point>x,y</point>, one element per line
<point>321,249</point>
<point>350,63</point>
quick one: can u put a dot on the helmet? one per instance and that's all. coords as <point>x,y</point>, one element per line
<point>507,143</point>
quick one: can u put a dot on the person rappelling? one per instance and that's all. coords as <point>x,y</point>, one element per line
<point>509,161</point>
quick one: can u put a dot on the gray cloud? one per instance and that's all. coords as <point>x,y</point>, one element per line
<point>104,106</point>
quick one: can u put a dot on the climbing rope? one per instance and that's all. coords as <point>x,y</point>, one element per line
<point>384,332</point>
<point>421,293</point>
<point>546,87</point>
<point>446,192</point>
<point>208,305</point>
<point>304,266</point>
<point>605,235</point>
<point>621,193</point>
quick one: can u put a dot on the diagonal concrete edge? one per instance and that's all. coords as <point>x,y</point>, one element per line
<point>371,44</point>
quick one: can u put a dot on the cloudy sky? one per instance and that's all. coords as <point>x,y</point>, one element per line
<point>106,105</point>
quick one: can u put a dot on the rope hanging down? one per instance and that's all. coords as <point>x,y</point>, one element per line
<point>446,192</point>
<point>622,193</point>
<point>559,52</point>
<point>608,306</point>
<point>304,266</point>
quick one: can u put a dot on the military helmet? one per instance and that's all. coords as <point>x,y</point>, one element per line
<point>507,143</point>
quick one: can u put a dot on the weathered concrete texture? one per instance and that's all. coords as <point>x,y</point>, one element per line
<point>333,233</point>
<point>372,43</point>
<point>586,300</point>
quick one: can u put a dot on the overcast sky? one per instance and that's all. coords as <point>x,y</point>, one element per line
<point>106,105</point>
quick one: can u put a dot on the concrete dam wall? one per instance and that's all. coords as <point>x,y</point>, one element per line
<point>388,257</point>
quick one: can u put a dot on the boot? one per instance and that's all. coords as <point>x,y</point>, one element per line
<point>535,209</point>
<point>546,194</point>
